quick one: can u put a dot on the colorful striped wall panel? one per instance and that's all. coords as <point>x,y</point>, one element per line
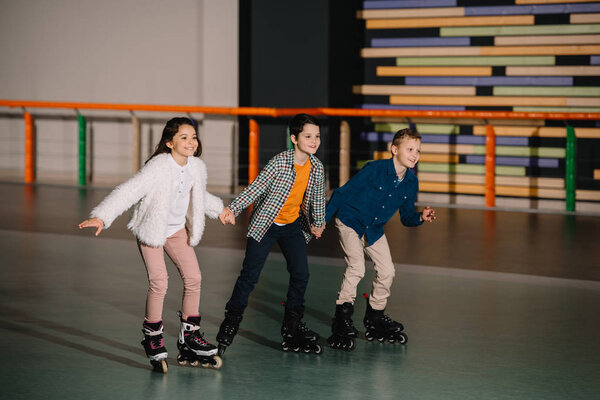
<point>520,55</point>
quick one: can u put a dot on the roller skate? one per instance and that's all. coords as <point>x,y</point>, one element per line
<point>342,328</point>
<point>381,327</point>
<point>296,336</point>
<point>193,348</point>
<point>228,329</point>
<point>154,345</point>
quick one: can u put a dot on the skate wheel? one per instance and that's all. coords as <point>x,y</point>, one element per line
<point>218,362</point>
<point>194,363</point>
<point>369,336</point>
<point>403,338</point>
<point>181,360</point>
<point>296,349</point>
<point>392,340</point>
<point>160,366</point>
<point>351,345</point>
<point>318,349</point>
<point>380,339</point>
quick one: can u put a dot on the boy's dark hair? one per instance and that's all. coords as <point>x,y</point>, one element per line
<point>170,130</point>
<point>403,134</point>
<point>297,123</point>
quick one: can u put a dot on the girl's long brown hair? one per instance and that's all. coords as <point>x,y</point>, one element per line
<point>169,131</point>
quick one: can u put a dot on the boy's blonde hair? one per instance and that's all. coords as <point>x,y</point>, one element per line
<point>404,134</point>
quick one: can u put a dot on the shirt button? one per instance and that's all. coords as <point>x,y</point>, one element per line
<point>382,206</point>
<point>405,197</point>
<point>389,195</point>
<point>375,217</point>
<point>380,187</point>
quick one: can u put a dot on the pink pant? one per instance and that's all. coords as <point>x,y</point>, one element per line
<point>183,256</point>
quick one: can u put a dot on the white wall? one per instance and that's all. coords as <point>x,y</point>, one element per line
<point>181,52</point>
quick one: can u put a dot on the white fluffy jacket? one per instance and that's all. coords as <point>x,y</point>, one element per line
<point>150,191</point>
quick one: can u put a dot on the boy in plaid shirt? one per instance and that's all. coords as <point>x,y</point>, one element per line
<point>289,207</point>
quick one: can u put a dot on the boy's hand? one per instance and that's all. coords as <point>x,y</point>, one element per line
<point>428,214</point>
<point>227,217</point>
<point>317,231</point>
<point>93,222</point>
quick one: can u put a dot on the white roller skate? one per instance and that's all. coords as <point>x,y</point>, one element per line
<point>193,348</point>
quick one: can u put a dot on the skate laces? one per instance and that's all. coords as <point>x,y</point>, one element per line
<point>191,333</point>
<point>156,342</point>
<point>230,326</point>
<point>198,338</point>
<point>303,329</point>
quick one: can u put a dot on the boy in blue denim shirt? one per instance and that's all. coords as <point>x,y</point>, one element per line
<point>362,207</point>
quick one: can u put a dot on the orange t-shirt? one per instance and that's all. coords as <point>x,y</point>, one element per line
<point>291,209</point>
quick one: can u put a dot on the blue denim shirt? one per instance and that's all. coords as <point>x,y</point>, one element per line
<point>370,199</point>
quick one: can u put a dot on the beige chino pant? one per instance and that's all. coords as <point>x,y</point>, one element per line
<point>184,258</point>
<point>354,249</point>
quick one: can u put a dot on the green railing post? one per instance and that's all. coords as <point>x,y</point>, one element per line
<point>570,169</point>
<point>290,145</point>
<point>82,150</point>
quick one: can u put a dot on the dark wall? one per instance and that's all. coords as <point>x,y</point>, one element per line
<point>295,54</point>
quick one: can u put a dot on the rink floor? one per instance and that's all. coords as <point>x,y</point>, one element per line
<point>496,305</point>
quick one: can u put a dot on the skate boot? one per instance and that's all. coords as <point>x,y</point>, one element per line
<point>193,348</point>
<point>154,345</point>
<point>228,330</point>
<point>381,327</point>
<point>342,329</point>
<point>296,336</point>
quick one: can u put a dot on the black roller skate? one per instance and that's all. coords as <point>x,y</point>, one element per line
<point>296,336</point>
<point>381,327</point>
<point>193,348</point>
<point>154,345</point>
<point>228,329</point>
<point>342,328</point>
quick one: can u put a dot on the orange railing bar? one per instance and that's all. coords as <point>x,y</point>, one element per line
<point>253,139</point>
<point>490,166</point>
<point>282,112</point>
<point>29,149</point>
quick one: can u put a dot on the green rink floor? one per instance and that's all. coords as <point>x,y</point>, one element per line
<point>73,306</point>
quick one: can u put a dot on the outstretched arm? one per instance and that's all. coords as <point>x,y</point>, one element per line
<point>428,214</point>
<point>317,231</point>
<point>93,223</point>
<point>227,217</point>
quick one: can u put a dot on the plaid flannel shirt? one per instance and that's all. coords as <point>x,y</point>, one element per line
<point>270,190</point>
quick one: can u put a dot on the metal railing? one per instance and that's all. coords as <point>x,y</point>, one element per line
<point>490,195</point>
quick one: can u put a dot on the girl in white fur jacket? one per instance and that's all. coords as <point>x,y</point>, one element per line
<point>171,201</point>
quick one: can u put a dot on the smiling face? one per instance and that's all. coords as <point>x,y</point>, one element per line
<point>307,141</point>
<point>406,154</point>
<point>184,144</point>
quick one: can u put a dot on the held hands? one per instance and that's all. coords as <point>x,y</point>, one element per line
<point>94,223</point>
<point>428,214</point>
<point>227,217</point>
<point>317,231</point>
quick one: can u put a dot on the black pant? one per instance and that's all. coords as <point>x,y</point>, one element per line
<point>293,245</point>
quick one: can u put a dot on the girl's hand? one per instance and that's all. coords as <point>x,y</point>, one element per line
<point>93,222</point>
<point>428,214</point>
<point>317,231</point>
<point>227,217</point>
